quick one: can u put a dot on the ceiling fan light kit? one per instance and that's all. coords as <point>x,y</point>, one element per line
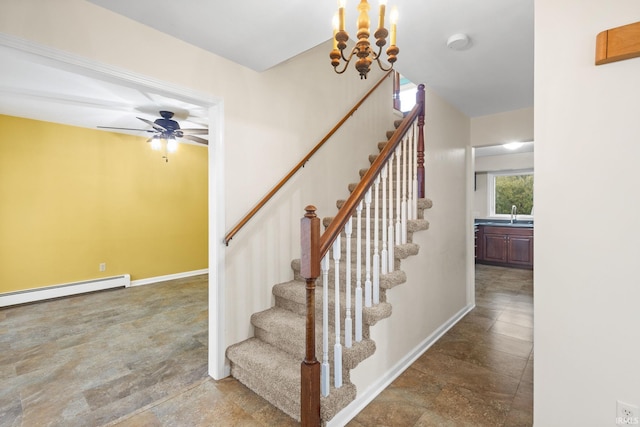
<point>166,133</point>
<point>362,50</point>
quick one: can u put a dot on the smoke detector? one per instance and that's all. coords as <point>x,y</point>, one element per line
<point>458,42</point>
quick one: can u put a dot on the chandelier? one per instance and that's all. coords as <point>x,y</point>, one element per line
<point>362,50</point>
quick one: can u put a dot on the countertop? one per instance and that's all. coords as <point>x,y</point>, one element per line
<point>524,223</point>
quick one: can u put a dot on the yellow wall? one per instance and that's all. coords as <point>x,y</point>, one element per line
<point>72,198</point>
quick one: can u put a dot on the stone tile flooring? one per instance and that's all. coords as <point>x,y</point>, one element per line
<point>137,357</point>
<point>480,373</point>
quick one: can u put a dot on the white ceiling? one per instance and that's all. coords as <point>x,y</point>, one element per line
<point>495,74</point>
<point>37,88</point>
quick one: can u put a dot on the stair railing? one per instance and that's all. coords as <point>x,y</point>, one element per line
<point>405,186</point>
<point>231,234</point>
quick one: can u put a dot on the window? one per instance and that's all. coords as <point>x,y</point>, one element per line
<point>511,188</point>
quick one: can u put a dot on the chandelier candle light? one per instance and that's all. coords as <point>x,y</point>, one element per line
<point>362,49</point>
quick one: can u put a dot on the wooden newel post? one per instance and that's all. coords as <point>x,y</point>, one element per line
<point>310,270</point>
<point>420,101</point>
<point>396,91</point>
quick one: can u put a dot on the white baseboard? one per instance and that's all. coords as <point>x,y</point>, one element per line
<point>152,280</point>
<point>74,288</point>
<point>364,398</point>
<point>63,290</point>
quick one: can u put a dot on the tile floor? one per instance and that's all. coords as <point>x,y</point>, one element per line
<point>480,373</point>
<point>137,357</point>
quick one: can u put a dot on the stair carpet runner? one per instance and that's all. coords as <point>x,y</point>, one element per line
<point>269,363</point>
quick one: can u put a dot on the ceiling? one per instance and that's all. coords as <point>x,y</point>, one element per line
<point>494,74</point>
<point>37,88</point>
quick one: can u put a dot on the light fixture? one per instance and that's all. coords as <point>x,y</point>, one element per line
<point>513,145</point>
<point>172,144</point>
<point>362,50</point>
<point>163,140</point>
<point>156,143</point>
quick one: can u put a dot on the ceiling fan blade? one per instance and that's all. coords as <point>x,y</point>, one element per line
<point>138,130</point>
<point>196,139</point>
<point>195,131</point>
<point>152,124</point>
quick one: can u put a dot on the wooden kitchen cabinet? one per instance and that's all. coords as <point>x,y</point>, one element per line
<point>478,242</point>
<point>507,246</point>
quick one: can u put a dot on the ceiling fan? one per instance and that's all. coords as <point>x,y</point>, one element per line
<point>167,129</point>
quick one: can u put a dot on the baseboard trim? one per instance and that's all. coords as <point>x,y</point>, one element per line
<point>364,398</point>
<point>157,279</point>
<point>63,290</point>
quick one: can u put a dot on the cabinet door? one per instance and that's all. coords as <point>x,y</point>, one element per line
<point>478,244</point>
<point>520,250</point>
<point>494,247</point>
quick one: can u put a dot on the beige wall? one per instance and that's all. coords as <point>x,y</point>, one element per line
<point>587,291</point>
<point>504,162</point>
<point>501,128</point>
<point>72,198</point>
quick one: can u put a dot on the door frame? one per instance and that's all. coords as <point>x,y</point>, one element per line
<point>90,68</point>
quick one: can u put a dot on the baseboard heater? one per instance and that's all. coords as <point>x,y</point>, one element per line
<point>67,289</point>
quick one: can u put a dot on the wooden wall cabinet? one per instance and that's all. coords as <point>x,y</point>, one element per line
<point>507,246</point>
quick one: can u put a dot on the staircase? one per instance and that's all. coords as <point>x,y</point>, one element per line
<point>269,363</point>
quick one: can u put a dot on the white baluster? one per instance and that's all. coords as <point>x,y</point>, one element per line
<point>414,161</point>
<point>398,194</point>
<point>359,273</point>
<point>376,236</point>
<point>390,237</point>
<point>337,348</point>
<point>367,253</point>
<point>403,212</point>
<point>348,328</point>
<point>410,182</point>
<point>324,368</point>
<point>384,256</point>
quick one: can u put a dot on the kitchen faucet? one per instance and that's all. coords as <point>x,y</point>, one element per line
<point>514,212</point>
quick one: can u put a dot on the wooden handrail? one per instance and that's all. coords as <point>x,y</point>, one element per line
<point>343,215</point>
<point>231,234</point>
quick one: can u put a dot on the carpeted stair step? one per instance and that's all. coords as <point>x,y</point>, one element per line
<point>363,171</point>
<point>292,296</point>
<point>352,186</point>
<point>275,375</point>
<point>387,281</point>
<point>285,330</point>
<point>423,204</point>
<point>396,124</point>
<point>413,225</point>
<point>407,249</point>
